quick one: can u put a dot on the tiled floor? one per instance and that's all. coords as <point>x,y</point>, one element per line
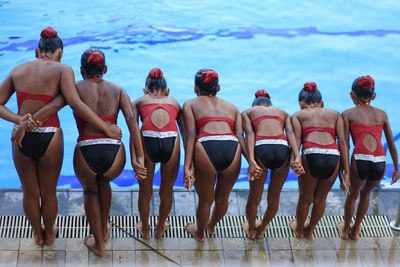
<point>213,252</point>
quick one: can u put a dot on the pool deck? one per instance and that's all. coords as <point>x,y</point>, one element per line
<point>215,251</point>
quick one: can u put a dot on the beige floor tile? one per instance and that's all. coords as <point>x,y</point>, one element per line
<point>192,257</point>
<point>321,243</point>
<point>391,257</point>
<point>278,243</point>
<point>388,242</point>
<point>258,258</point>
<point>370,257</point>
<point>53,258</point>
<point>212,258</point>
<point>361,243</point>
<point>108,244</point>
<point>75,244</point>
<point>172,254</point>
<point>9,244</point>
<point>301,244</point>
<point>8,258</point>
<point>233,244</point>
<point>146,258</point>
<point>58,244</point>
<point>28,244</point>
<point>126,244</point>
<point>348,257</point>
<point>191,244</point>
<point>235,258</point>
<point>76,258</point>
<point>281,258</point>
<point>212,244</point>
<point>256,244</point>
<point>29,258</point>
<point>325,257</point>
<point>152,242</point>
<point>303,257</point>
<point>168,243</point>
<point>124,258</point>
<point>105,260</point>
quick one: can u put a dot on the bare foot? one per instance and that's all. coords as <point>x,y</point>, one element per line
<point>160,230</point>
<point>107,231</point>
<point>355,232</point>
<point>191,228</point>
<point>210,230</point>
<point>250,233</point>
<point>50,236</point>
<point>145,233</point>
<point>38,237</point>
<point>91,244</point>
<point>293,226</point>
<point>343,234</point>
<point>260,230</point>
<point>307,231</point>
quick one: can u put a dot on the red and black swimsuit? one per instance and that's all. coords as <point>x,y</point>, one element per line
<point>370,164</point>
<point>159,142</point>
<point>273,150</point>
<point>36,141</point>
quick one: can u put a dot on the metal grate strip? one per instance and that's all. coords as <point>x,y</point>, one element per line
<point>228,227</point>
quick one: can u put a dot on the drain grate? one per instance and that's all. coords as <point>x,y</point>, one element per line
<point>229,226</point>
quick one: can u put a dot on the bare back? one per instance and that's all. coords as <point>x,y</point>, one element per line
<point>267,126</point>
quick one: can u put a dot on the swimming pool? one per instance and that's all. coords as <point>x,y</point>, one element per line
<point>276,45</point>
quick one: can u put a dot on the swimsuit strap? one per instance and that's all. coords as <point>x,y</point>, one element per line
<point>308,130</point>
<point>22,96</point>
<point>81,123</point>
<point>257,121</point>
<point>201,122</point>
<point>145,115</point>
<point>359,131</point>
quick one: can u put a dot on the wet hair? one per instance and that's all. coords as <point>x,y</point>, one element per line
<point>207,81</point>
<point>49,41</point>
<point>262,99</point>
<point>93,62</point>
<point>155,80</point>
<point>310,94</point>
<point>363,87</point>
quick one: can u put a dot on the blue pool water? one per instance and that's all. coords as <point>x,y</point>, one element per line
<point>276,45</point>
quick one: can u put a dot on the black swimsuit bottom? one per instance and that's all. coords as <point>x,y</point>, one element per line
<point>159,149</point>
<point>35,144</point>
<point>370,170</point>
<point>220,152</point>
<point>272,155</point>
<point>322,166</point>
<point>100,157</point>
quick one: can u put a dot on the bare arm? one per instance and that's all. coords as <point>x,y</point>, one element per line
<point>6,91</point>
<point>344,154</point>
<point>392,149</point>
<point>49,109</point>
<point>69,91</point>
<point>254,171</point>
<point>190,139</point>
<point>295,160</point>
<point>239,134</point>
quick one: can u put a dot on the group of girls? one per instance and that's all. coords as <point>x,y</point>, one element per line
<point>212,132</point>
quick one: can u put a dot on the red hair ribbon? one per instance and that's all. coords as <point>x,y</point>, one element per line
<point>262,92</point>
<point>96,58</point>
<point>48,32</point>
<point>366,82</point>
<point>155,73</point>
<point>310,87</point>
<point>209,76</point>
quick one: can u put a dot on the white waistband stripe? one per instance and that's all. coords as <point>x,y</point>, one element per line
<point>100,141</point>
<point>317,150</point>
<point>271,142</point>
<point>155,134</point>
<point>369,158</point>
<point>43,130</point>
<point>218,138</point>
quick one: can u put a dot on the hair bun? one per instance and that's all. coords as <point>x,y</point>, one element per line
<point>48,32</point>
<point>155,73</point>
<point>310,87</point>
<point>262,92</point>
<point>96,58</point>
<point>209,76</point>
<point>366,82</point>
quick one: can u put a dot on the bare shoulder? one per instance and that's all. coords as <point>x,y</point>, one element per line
<point>173,101</point>
<point>137,101</point>
<point>229,105</point>
<point>247,111</point>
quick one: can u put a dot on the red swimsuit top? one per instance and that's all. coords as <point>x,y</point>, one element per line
<point>53,120</point>
<point>257,121</point>
<point>359,131</point>
<point>145,114</point>
<point>309,144</point>
<point>81,123</point>
<point>202,122</point>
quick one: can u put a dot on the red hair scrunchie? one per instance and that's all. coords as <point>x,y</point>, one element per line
<point>209,76</point>
<point>48,32</point>
<point>310,87</point>
<point>262,92</point>
<point>155,73</point>
<point>96,58</point>
<point>366,82</point>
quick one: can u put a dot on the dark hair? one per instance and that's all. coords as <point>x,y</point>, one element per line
<point>93,62</point>
<point>49,41</point>
<point>363,87</point>
<point>207,81</point>
<point>262,99</point>
<point>155,80</point>
<point>310,94</point>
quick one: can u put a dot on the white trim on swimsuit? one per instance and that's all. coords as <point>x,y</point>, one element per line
<point>372,158</point>
<point>156,134</point>
<point>43,130</point>
<point>271,142</point>
<point>218,138</point>
<point>100,141</point>
<point>318,150</point>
